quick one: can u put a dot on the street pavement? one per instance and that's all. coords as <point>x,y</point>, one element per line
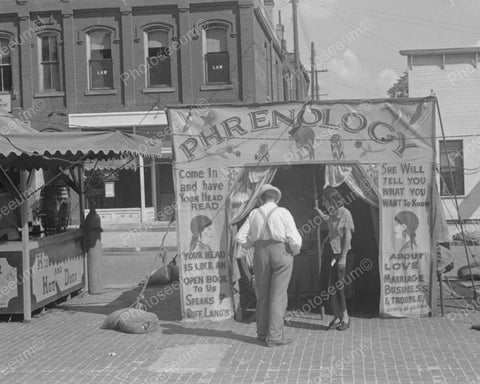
<point>66,345</point>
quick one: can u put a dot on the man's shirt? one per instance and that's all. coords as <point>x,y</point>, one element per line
<point>281,223</point>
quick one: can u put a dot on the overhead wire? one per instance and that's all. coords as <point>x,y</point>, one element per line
<point>399,18</point>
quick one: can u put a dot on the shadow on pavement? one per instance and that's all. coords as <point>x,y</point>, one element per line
<point>164,301</point>
<point>176,329</point>
<point>305,325</point>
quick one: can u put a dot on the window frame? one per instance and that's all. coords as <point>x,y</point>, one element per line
<point>112,35</point>
<point>8,39</point>
<point>456,169</point>
<point>146,33</point>
<point>41,69</point>
<point>226,28</point>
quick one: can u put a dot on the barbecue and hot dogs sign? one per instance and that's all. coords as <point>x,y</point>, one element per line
<point>396,135</point>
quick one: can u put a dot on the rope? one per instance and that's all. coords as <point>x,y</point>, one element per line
<point>140,302</point>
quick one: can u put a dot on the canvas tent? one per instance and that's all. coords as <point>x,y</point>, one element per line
<point>383,150</point>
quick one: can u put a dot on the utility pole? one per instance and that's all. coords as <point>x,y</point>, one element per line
<point>317,86</point>
<point>312,69</point>
<point>296,49</point>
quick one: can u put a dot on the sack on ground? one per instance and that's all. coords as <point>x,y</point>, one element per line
<point>131,320</point>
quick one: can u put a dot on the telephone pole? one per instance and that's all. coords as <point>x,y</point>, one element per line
<point>296,49</point>
<point>312,70</point>
<point>317,86</point>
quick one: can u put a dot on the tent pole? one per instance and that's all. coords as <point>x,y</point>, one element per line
<point>26,275</point>
<point>460,221</point>
<point>319,238</point>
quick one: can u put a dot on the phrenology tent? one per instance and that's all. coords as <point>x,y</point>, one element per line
<point>379,153</point>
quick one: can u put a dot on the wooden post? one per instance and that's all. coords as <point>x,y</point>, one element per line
<point>153,180</point>
<point>142,189</point>
<point>26,271</point>
<point>319,236</point>
<point>81,198</point>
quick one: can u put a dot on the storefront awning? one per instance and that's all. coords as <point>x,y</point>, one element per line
<point>25,148</point>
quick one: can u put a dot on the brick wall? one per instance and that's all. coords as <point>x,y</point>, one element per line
<point>256,59</point>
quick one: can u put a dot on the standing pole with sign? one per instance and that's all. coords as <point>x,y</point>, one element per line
<point>26,282</point>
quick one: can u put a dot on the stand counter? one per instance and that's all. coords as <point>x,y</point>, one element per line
<point>57,268</point>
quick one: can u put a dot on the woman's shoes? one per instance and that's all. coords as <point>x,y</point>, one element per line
<point>343,326</point>
<point>334,323</point>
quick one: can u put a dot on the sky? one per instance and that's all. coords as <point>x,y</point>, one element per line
<point>358,41</point>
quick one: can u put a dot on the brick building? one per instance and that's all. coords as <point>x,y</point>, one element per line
<point>453,75</point>
<point>116,64</point>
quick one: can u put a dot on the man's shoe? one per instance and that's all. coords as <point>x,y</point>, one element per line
<point>278,343</point>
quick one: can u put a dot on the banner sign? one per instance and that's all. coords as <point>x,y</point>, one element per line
<point>406,235</point>
<point>397,135</point>
<point>202,234</point>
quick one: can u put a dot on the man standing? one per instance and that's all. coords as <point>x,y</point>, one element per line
<point>273,233</point>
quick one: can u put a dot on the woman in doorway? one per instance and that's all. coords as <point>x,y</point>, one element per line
<point>340,230</point>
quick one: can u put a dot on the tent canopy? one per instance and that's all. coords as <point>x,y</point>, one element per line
<point>23,147</point>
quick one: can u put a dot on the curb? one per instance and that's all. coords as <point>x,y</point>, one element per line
<point>136,249</point>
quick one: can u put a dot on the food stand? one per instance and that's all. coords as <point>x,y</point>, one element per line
<point>56,269</point>
<point>383,150</point>
<point>40,270</point>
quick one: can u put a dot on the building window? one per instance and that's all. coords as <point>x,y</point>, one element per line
<point>5,66</point>
<point>158,60</point>
<point>50,70</point>
<point>217,59</point>
<point>451,153</point>
<point>100,60</point>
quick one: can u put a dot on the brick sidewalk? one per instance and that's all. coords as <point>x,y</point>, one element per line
<point>65,345</point>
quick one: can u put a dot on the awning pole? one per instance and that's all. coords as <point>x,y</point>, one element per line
<point>82,204</point>
<point>142,189</point>
<point>26,275</point>
<point>153,180</point>
<point>460,221</point>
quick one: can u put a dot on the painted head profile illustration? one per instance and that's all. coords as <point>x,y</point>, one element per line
<point>406,223</point>
<point>201,227</point>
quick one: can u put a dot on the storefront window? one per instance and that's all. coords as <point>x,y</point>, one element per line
<point>158,60</point>
<point>100,60</point>
<point>451,158</point>
<point>5,66</point>
<point>217,60</point>
<point>50,70</point>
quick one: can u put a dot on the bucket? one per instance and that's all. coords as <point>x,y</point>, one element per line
<point>55,208</point>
